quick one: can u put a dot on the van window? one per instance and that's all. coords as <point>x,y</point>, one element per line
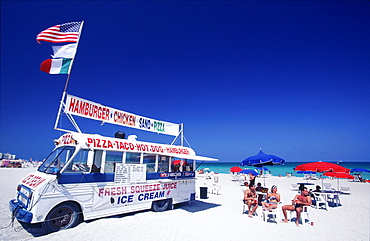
<point>79,162</point>
<point>96,167</point>
<point>56,160</point>
<point>163,163</point>
<point>111,158</point>
<point>133,158</point>
<point>149,160</point>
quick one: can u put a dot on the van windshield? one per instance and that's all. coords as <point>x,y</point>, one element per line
<point>57,160</point>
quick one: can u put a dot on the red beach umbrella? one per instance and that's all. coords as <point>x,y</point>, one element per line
<point>235,169</point>
<point>339,175</point>
<point>321,166</point>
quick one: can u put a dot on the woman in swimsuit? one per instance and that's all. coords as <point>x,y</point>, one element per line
<point>272,199</point>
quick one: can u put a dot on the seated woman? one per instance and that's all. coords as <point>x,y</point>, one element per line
<point>272,199</point>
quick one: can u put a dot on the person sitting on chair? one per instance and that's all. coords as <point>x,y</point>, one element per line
<point>245,187</point>
<point>299,201</point>
<point>272,199</point>
<point>250,199</point>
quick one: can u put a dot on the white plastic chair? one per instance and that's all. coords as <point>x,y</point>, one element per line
<point>216,188</point>
<point>334,198</point>
<point>320,201</point>
<point>305,217</point>
<point>274,213</point>
<point>245,207</point>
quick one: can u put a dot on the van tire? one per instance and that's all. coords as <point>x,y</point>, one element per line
<point>63,216</point>
<point>161,205</point>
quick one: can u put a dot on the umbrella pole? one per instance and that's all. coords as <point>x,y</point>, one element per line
<point>337,184</point>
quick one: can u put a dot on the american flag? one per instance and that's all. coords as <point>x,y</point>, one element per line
<point>66,32</point>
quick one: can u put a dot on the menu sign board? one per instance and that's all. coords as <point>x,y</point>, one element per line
<point>130,173</point>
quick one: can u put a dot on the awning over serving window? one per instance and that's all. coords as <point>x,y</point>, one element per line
<point>192,157</point>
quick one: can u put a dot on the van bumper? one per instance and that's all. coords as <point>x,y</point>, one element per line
<point>19,211</point>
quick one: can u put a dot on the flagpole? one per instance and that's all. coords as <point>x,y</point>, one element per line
<point>78,40</point>
<point>67,81</point>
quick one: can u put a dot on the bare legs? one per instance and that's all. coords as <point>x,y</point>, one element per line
<point>252,205</point>
<point>291,208</point>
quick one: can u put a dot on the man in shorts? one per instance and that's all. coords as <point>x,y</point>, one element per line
<point>298,203</point>
<point>250,199</point>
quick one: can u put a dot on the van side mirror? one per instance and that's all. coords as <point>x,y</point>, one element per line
<point>58,175</point>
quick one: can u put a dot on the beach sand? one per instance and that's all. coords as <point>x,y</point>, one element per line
<point>219,217</point>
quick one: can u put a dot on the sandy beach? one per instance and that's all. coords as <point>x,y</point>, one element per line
<point>219,217</point>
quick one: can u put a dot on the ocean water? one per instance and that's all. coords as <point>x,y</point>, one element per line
<point>224,167</point>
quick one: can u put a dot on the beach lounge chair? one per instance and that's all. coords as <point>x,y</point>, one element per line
<point>313,177</point>
<point>356,179</point>
<point>294,187</point>
<point>327,187</point>
<point>345,190</point>
<point>320,201</point>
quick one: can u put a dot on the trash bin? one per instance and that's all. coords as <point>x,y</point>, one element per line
<point>203,192</point>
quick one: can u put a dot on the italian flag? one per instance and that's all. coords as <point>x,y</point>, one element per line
<point>56,66</point>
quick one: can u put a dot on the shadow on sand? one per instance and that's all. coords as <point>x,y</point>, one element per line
<point>195,206</point>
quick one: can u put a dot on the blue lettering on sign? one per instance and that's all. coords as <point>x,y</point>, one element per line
<point>144,123</point>
<point>151,195</point>
<point>125,199</point>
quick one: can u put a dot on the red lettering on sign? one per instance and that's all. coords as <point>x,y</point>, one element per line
<point>32,181</point>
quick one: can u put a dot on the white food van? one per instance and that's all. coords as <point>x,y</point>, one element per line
<point>89,176</point>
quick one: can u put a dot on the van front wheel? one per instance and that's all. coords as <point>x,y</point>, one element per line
<point>61,217</point>
<point>161,205</point>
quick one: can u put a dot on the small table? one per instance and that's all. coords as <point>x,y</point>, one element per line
<point>261,193</point>
<point>326,194</point>
<point>305,183</point>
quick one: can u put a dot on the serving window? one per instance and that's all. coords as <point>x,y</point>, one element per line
<point>133,158</point>
<point>149,160</point>
<point>111,158</point>
<point>163,163</point>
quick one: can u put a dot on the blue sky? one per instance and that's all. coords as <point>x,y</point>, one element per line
<point>289,77</point>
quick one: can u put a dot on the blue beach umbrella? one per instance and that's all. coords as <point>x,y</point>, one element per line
<point>249,171</point>
<point>261,160</point>
<point>359,170</point>
<point>306,172</point>
<point>262,168</point>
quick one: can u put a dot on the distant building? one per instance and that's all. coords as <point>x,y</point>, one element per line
<point>7,156</point>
